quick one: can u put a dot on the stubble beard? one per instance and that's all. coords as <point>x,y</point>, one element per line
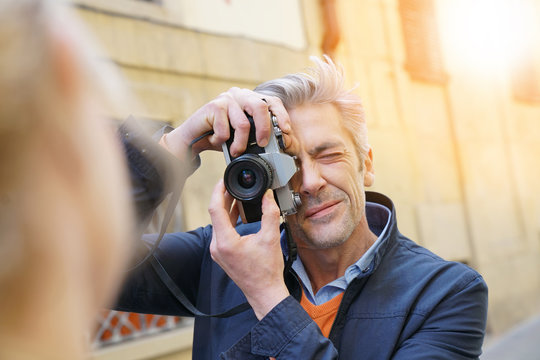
<point>329,231</point>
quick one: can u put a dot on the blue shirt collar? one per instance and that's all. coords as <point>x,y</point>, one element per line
<point>378,217</point>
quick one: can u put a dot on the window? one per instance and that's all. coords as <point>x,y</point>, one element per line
<point>116,326</point>
<point>526,80</point>
<point>422,47</point>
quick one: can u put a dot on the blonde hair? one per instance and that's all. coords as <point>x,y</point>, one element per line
<point>65,214</point>
<point>322,84</point>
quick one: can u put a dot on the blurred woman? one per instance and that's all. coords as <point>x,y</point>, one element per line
<point>65,217</point>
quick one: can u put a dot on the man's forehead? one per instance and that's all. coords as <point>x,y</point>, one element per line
<point>317,126</point>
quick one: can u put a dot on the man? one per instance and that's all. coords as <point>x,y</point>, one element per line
<point>359,288</point>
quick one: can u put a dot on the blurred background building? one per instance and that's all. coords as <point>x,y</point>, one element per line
<point>452,97</point>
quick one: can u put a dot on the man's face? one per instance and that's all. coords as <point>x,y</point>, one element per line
<point>331,178</point>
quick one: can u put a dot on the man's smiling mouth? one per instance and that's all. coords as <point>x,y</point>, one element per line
<point>321,210</point>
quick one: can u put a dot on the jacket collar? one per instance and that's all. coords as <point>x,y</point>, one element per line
<point>387,241</point>
<point>392,232</point>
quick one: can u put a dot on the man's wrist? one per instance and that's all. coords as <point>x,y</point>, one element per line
<point>178,148</point>
<point>264,304</point>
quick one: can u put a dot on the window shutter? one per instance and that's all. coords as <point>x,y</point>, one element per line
<point>422,46</point>
<point>526,81</point>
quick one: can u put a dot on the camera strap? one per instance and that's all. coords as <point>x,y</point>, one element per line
<point>292,251</point>
<point>181,297</point>
<point>166,278</point>
<point>169,282</point>
<point>179,294</point>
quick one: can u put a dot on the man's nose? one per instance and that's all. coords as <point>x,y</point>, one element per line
<point>312,179</point>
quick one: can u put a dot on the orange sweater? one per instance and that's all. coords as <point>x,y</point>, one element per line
<point>324,314</point>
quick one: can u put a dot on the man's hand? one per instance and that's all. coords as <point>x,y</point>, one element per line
<point>254,262</point>
<point>228,108</point>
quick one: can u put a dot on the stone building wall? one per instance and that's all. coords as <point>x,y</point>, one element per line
<point>456,149</point>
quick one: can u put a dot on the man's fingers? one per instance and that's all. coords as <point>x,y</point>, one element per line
<point>252,103</point>
<point>231,206</point>
<point>270,215</point>
<point>219,209</point>
<point>276,107</point>
<point>225,111</point>
<point>240,123</point>
<point>220,125</point>
<point>235,213</point>
<point>261,117</point>
<point>227,201</point>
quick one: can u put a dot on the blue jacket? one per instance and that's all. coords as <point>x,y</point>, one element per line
<point>409,304</point>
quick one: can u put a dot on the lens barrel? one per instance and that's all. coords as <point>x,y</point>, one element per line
<point>248,177</point>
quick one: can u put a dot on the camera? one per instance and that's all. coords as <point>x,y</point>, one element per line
<point>248,176</point>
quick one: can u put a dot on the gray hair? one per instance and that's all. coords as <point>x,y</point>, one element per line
<point>322,84</point>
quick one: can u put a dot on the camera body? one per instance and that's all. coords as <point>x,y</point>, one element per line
<point>248,176</point>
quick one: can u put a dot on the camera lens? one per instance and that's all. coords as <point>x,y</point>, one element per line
<point>248,177</point>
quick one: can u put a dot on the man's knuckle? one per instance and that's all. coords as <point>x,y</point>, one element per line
<point>274,211</point>
<point>223,250</point>
<point>215,253</point>
<point>216,105</point>
<point>243,126</point>
<point>212,209</point>
<point>274,100</point>
<point>261,106</point>
<point>234,91</point>
<point>264,130</point>
<point>220,135</point>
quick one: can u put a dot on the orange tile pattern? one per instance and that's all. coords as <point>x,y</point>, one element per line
<point>117,326</point>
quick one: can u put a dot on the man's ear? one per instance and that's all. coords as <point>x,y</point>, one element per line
<point>369,171</point>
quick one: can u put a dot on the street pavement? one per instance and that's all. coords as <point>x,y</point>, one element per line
<point>519,343</point>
